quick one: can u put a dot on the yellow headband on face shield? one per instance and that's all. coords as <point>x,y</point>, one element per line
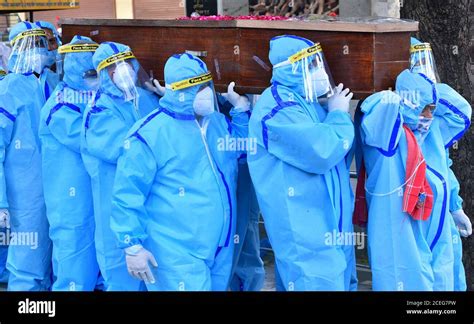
<point>3,73</point>
<point>28,33</point>
<point>307,52</point>
<point>420,47</point>
<point>78,48</point>
<point>114,59</point>
<point>203,78</point>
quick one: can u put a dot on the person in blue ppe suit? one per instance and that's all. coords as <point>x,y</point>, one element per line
<point>248,272</point>
<point>422,62</point>
<point>4,217</point>
<point>21,194</point>
<point>45,59</point>
<point>49,76</point>
<point>304,135</point>
<point>119,103</point>
<point>174,200</point>
<point>67,189</point>
<point>248,268</point>
<point>406,136</point>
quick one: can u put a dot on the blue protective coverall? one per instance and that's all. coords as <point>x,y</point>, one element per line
<point>3,247</point>
<point>248,272</point>
<point>408,254</point>
<point>29,254</point>
<point>301,176</point>
<point>175,188</point>
<point>248,269</point>
<point>104,129</point>
<point>67,188</point>
<point>49,78</point>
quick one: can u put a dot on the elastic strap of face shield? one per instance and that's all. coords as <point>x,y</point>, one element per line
<point>307,52</point>
<point>77,48</point>
<point>183,84</point>
<point>114,59</point>
<point>28,33</point>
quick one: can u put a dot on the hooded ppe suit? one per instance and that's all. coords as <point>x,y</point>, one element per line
<point>248,273</point>
<point>67,188</point>
<point>301,176</point>
<point>175,187</point>
<point>21,192</point>
<point>49,78</point>
<point>4,248</point>
<point>105,126</point>
<point>404,253</point>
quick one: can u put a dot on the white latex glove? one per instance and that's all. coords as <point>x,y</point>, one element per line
<point>4,218</point>
<point>240,103</point>
<point>154,86</point>
<point>137,258</point>
<point>462,222</point>
<point>340,100</point>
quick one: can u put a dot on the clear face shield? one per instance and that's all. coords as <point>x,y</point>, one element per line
<point>126,74</point>
<point>89,77</point>
<point>422,61</point>
<point>205,100</point>
<point>29,52</point>
<point>316,80</point>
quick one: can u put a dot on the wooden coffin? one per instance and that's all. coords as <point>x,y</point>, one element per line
<point>364,54</point>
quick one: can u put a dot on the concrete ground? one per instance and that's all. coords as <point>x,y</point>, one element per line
<point>363,274</point>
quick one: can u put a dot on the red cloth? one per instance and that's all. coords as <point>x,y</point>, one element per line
<point>418,197</point>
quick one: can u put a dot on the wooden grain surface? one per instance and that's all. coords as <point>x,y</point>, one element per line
<point>365,62</point>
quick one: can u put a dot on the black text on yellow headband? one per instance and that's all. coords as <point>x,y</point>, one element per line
<point>420,47</point>
<point>114,59</point>
<point>203,78</point>
<point>28,33</point>
<point>78,48</point>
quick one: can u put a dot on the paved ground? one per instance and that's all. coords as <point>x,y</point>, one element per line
<point>365,283</point>
<point>363,274</point>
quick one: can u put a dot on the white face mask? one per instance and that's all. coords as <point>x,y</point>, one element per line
<point>320,81</point>
<point>51,58</point>
<point>204,102</point>
<point>423,127</point>
<point>92,83</point>
<point>424,124</point>
<point>39,62</point>
<point>125,77</point>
